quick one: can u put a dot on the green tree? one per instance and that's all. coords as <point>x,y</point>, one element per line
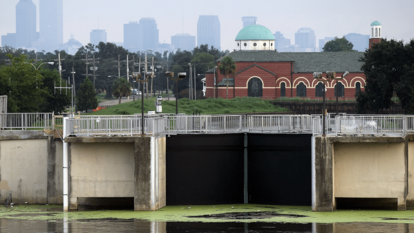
<point>387,70</point>
<point>121,88</point>
<point>338,45</point>
<point>86,96</point>
<point>227,67</point>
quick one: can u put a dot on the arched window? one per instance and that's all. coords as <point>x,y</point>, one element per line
<point>319,90</point>
<point>255,87</point>
<point>357,87</point>
<point>379,32</point>
<point>301,90</point>
<point>372,32</point>
<point>283,90</point>
<point>376,32</point>
<point>340,88</point>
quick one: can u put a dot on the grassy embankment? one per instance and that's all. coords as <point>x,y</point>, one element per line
<point>206,106</point>
<point>180,213</point>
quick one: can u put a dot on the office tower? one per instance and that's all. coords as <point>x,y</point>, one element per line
<point>8,40</point>
<point>183,42</point>
<point>208,31</point>
<point>281,43</point>
<point>360,42</point>
<point>51,24</point>
<point>306,40</point>
<point>148,33</point>
<point>25,24</point>
<point>322,42</point>
<point>98,36</point>
<point>249,20</point>
<point>131,36</point>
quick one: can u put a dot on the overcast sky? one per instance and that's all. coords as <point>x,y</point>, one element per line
<point>326,17</point>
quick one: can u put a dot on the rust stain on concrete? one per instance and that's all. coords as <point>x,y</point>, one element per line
<point>4,185</point>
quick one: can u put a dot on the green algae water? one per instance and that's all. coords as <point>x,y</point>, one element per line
<point>204,218</point>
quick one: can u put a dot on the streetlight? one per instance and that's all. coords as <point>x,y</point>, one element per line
<point>180,77</point>
<point>330,75</point>
<point>142,79</point>
<point>37,68</point>
<point>336,88</point>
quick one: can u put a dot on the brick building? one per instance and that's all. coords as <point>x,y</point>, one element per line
<point>263,72</point>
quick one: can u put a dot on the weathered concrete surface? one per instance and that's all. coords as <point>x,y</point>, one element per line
<point>142,174</point>
<point>370,170</point>
<point>21,134</point>
<point>101,170</point>
<point>410,170</point>
<point>30,168</point>
<point>323,175</point>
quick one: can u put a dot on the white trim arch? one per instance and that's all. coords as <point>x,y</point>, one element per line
<point>247,83</point>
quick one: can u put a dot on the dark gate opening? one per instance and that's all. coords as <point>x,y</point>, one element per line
<point>367,203</point>
<point>279,169</point>
<point>204,169</point>
<point>255,88</point>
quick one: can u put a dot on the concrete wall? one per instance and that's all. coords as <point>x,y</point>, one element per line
<point>30,169</point>
<point>102,170</point>
<point>369,170</point>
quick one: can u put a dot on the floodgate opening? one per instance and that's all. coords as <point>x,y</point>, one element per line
<point>367,203</point>
<point>105,203</point>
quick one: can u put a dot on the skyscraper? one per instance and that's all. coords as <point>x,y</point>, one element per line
<point>183,41</point>
<point>9,40</point>
<point>249,20</point>
<point>281,43</point>
<point>51,24</point>
<point>131,36</point>
<point>360,42</point>
<point>25,23</point>
<point>306,40</point>
<point>97,36</point>
<point>208,31</point>
<point>322,42</point>
<point>149,35</point>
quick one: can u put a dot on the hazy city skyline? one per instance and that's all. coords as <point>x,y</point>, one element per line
<point>81,17</point>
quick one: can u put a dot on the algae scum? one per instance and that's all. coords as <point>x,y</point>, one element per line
<point>247,213</point>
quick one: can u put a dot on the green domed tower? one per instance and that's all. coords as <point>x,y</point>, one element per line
<point>255,37</point>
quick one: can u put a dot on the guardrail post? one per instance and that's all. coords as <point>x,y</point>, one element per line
<point>225,123</point>
<point>404,125</point>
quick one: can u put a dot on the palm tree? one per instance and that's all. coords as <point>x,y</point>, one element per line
<point>121,88</point>
<point>226,67</point>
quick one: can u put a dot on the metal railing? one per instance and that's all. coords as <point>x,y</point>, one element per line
<point>24,121</point>
<point>374,124</point>
<point>205,124</point>
<point>281,123</point>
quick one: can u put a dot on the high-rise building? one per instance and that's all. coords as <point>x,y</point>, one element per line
<point>305,38</point>
<point>51,24</point>
<point>183,41</point>
<point>141,36</point>
<point>208,31</point>
<point>360,42</point>
<point>149,35</point>
<point>249,20</point>
<point>9,40</point>
<point>98,36</point>
<point>281,43</point>
<point>323,41</point>
<point>131,36</point>
<point>25,24</point>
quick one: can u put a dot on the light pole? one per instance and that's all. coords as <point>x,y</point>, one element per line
<point>142,79</point>
<point>214,84</point>
<point>37,68</point>
<point>336,88</point>
<point>133,88</point>
<point>180,77</point>
<point>330,75</point>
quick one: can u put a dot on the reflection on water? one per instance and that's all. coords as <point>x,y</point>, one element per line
<point>135,225</point>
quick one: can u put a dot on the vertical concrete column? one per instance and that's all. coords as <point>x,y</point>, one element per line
<point>149,173</point>
<point>323,185</point>
<point>51,171</point>
<point>142,174</point>
<point>409,150</point>
<point>65,169</point>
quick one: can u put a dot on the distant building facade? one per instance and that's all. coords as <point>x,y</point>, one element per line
<point>323,41</point>
<point>249,20</point>
<point>360,42</point>
<point>51,25</point>
<point>282,44</point>
<point>183,42</point>
<point>9,40</point>
<point>141,36</point>
<point>72,46</point>
<point>97,36</point>
<point>305,38</point>
<point>25,24</point>
<point>208,31</point>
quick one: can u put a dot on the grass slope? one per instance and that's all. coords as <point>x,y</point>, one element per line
<point>206,106</point>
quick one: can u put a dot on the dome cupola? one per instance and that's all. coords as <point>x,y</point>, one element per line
<point>376,29</point>
<point>255,37</point>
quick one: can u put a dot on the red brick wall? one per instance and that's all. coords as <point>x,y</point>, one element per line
<point>373,41</point>
<point>272,83</point>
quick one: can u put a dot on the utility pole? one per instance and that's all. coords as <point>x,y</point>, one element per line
<point>168,95</point>
<point>195,83</point>
<point>146,72</point>
<point>152,79</point>
<point>127,61</point>
<point>189,84</point>
<point>73,78</point>
<point>60,70</point>
<point>93,68</point>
